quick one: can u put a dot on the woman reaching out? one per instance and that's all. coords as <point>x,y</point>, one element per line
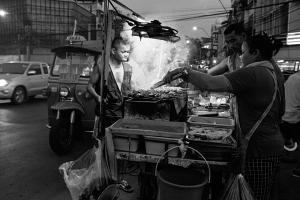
<point>254,87</point>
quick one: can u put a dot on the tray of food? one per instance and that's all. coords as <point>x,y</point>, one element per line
<point>211,122</point>
<point>215,143</point>
<point>156,128</point>
<point>157,94</point>
<point>209,133</point>
<point>168,104</point>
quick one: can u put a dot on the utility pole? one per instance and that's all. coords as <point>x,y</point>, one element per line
<point>27,41</point>
<point>211,48</point>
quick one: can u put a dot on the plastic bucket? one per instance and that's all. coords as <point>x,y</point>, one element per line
<point>177,183</point>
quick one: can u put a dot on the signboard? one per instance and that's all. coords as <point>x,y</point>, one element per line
<point>293,38</point>
<point>75,38</point>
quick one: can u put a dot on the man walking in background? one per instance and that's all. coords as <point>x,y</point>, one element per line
<point>290,126</point>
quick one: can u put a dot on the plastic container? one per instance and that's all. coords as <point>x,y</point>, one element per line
<point>214,150</point>
<point>125,143</point>
<point>129,134</point>
<point>211,122</point>
<point>158,145</point>
<point>155,128</point>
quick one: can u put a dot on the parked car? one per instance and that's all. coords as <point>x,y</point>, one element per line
<point>20,80</point>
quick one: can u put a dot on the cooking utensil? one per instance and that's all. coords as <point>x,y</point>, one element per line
<point>158,84</point>
<point>174,77</point>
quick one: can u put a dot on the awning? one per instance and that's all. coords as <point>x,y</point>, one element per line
<point>291,52</point>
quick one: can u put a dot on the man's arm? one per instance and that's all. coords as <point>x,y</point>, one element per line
<point>92,81</point>
<point>220,68</point>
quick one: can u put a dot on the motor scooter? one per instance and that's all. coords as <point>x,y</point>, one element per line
<point>71,109</point>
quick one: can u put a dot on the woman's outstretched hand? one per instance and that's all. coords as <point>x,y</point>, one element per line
<point>175,74</point>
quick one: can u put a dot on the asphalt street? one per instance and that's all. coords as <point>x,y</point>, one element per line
<point>29,169</point>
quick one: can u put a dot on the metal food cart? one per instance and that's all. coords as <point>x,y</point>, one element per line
<point>145,140</point>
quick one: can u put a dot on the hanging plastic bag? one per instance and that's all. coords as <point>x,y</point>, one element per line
<point>87,176</point>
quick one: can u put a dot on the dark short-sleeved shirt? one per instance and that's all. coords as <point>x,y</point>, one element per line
<point>254,87</point>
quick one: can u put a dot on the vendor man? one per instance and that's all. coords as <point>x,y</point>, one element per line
<point>117,83</point>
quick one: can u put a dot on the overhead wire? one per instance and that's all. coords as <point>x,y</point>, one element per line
<point>277,10</point>
<point>261,20</point>
<point>222,5</point>
<point>224,13</point>
<point>269,5</point>
<point>195,17</point>
<point>258,19</point>
<point>186,15</point>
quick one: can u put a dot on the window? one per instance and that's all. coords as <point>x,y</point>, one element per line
<point>73,63</point>
<point>13,68</point>
<point>45,69</point>
<point>36,68</point>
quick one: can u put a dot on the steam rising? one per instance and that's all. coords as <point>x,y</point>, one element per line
<point>151,59</point>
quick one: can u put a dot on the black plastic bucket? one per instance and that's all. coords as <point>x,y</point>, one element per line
<point>178,183</point>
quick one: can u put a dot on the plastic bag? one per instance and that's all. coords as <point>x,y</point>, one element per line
<point>238,189</point>
<point>87,176</point>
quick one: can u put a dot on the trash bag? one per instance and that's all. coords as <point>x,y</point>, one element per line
<point>87,176</point>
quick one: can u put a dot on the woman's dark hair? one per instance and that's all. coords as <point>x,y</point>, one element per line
<point>237,27</point>
<point>268,46</point>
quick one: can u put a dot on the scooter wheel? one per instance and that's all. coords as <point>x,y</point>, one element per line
<point>61,136</point>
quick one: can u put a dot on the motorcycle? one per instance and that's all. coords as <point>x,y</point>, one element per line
<point>71,109</point>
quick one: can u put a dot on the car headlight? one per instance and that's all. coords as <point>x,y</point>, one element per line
<point>64,92</point>
<point>3,82</point>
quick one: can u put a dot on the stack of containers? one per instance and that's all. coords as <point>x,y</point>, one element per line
<point>152,137</point>
<point>212,149</point>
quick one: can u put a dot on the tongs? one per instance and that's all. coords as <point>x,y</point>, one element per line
<point>158,84</point>
<point>176,76</point>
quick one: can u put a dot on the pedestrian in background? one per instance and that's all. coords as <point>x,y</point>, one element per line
<point>234,35</point>
<point>291,119</point>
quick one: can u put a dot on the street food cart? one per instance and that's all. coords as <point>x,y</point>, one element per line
<point>169,124</point>
<point>148,139</point>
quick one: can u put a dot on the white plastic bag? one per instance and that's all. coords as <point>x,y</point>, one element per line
<point>87,176</point>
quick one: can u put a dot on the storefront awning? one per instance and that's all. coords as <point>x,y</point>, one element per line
<point>289,53</point>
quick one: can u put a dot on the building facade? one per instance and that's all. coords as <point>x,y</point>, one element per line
<point>279,18</point>
<point>35,26</point>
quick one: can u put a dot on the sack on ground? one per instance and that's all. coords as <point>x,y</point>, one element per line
<point>87,176</point>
